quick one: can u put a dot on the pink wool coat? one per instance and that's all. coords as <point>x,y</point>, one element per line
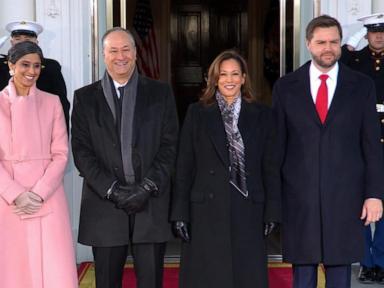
<point>36,251</point>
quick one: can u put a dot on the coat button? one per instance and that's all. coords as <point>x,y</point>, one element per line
<point>212,172</point>
<point>382,121</point>
<point>382,140</point>
<point>115,168</point>
<point>210,196</point>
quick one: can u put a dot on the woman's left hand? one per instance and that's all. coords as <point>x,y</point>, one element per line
<point>27,203</point>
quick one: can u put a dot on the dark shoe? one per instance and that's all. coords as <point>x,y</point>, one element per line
<point>379,277</point>
<point>366,275</point>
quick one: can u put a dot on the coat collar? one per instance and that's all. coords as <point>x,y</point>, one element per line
<point>301,87</point>
<point>107,108</point>
<point>344,88</point>
<point>213,120</point>
<point>142,101</point>
<point>216,131</point>
<point>11,93</point>
<point>248,118</point>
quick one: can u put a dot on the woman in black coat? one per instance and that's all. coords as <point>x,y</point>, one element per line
<point>227,186</point>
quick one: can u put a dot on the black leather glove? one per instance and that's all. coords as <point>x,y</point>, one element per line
<point>119,194</point>
<point>269,227</point>
<point>181,230</point>
<point>138,196</point>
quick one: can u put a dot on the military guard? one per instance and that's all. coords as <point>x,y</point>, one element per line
<point>370,61</point>
<point>51,80</point>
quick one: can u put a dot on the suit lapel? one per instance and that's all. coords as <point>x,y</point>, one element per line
<point>216,130</point>
<point>343,88</point>
<point>248,118</point>
<point>105,116</point>
<point>141,102</point>
<point>302,88</point>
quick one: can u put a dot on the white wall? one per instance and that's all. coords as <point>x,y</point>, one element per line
<point>378,6</point>
<point>306,15</point>
<point>15,10</point>
<point>67,38</point>
<point>347,12</point>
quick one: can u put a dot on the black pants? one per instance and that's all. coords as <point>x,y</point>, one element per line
<point>148,259</point>
<point>305,276</point>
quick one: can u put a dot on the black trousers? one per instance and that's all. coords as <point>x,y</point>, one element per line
<point>305,276</point>
<point>148,259</point>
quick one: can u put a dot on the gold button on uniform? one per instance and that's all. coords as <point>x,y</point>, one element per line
<point>382,121</point>
<point>377,68</point>
<point>382,140</point>
<point>377,61</point>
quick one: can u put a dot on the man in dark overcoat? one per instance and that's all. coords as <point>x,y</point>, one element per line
<point>370,61</point>
<point>50,80</point>
<point>124,137</point>
<point>331,160</point>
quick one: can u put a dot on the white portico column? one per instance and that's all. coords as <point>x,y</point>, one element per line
<point>14,10</point>
<point>67,39</point>
<point>377,6</point>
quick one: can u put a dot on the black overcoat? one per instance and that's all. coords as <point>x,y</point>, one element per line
<point>327,170</point>
<point>50,80</point>
<point>96,151</point>
<point>202,197</point>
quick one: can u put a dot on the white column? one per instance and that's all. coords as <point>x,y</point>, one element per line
<point>66,38</point>
<point>14,10</point>
<point>377,6</point>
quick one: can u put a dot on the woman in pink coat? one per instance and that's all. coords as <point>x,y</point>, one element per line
<point>36,248</point>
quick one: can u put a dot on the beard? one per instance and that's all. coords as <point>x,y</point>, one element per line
<point>326,63</point>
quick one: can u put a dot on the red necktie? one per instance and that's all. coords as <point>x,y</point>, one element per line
<point>322,98</point>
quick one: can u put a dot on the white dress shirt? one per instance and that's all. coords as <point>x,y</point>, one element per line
<point>315,81</point>
<point>117,86</point>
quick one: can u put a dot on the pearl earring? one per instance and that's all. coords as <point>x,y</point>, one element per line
<point>11,72</point>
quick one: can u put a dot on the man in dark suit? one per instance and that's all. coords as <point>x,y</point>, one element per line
<point>124,138</point>
<point>331,160</point>
<point>50,80</point>
<point>370,61</point>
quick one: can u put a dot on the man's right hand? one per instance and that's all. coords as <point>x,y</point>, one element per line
<point>120,195</point>
<point>181,230</point>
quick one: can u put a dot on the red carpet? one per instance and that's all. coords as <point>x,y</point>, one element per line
<point>86,272</point>
<point>280,276</point>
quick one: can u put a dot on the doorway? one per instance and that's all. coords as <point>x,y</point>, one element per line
<point>199,32</point>
<point>191,33</point>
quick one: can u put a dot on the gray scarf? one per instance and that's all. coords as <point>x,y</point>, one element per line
<point>236,146</point>
<point>127,117</point>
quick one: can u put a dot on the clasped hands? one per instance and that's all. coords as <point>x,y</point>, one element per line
<point>181,229</point>
<point>27,203</point>
<point>132,197</point>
